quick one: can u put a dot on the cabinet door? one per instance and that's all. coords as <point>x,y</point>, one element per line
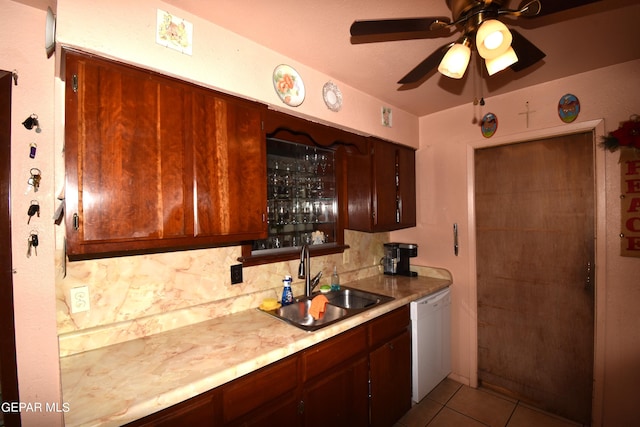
<point>395,186</point>
<point>390,367</point>
<point>154,163</point>
<point>126,177</point>
<point>230,167</point>
<point>335,377</point>
<point>385,165</point>
<point>406,187</point>
<point>381,188</point>
<point>338,398</point>
<point>359,170</point>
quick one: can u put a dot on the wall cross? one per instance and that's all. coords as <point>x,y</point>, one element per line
<point>527,112</point>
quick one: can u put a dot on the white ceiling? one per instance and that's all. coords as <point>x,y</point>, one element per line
<point>316,33</point>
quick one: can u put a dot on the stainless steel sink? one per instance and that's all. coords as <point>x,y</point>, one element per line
<point>355,299</point>
<point>298,314</point>
<point>342,304</point>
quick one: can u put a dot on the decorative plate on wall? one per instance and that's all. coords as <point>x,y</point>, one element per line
<point>50,33</point>
<point>489,125</point>
<point>288,85</point>
<point>568,108</point>
<point>332,96</point>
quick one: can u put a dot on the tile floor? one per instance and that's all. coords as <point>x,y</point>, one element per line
<point>452,404</point>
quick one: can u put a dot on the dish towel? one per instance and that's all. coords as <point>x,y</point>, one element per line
<point>318,306</point>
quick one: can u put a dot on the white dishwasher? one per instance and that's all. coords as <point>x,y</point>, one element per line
<point>430,342</point>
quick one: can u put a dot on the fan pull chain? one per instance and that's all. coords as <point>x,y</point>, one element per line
<point>475,93</point>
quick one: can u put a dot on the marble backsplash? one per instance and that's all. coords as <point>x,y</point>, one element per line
<point>136,296</point>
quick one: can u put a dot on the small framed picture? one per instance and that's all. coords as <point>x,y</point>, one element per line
<point>387,117</point>
<point>489,125</point>
<point>173,32</point>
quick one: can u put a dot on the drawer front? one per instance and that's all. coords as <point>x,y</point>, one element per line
<point>388,326</point>
<point>259,388</point>
<point>333,352</point>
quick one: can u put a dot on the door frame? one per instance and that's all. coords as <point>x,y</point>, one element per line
<point>8,360</point>
<point>597,127</point>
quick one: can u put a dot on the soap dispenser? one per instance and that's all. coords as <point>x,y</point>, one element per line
<point>335,280</point>
<point>287,294</point>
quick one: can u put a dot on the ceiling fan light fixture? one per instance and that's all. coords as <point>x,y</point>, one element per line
<point>455,61</point>
<point>493,39</point>
<point>501,62</point>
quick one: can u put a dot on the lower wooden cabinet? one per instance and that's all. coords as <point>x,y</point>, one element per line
<point>199,411</point>
<point>361,377</point>
<point>390,381</point>
<point>335,380</point>
<point>262,396</point>
<point>339,397</point>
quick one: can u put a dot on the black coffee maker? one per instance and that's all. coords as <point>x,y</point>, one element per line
<point>396,258</point>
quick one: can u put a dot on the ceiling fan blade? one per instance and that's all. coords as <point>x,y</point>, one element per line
<point>548,7</point>
<point>389,26</point>
<point>426,66</point>
<point>528,54</point>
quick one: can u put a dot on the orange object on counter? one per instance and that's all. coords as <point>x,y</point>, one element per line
<point>318,306</point>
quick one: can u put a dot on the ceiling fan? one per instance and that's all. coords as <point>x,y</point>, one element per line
<point>481,30</point>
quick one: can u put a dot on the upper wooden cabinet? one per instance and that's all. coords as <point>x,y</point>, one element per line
<point>229,167</point>
<point>381,187</point>
<point>306,194</point>
<point>153,163</point>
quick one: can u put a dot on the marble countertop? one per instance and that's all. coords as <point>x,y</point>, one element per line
<point>127,381</point>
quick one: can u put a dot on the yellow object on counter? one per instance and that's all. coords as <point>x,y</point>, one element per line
<point>269,304</point>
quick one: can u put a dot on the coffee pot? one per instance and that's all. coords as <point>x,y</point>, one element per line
<point>396,258</point>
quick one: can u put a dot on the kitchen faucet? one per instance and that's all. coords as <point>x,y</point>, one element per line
<point>304,271</point>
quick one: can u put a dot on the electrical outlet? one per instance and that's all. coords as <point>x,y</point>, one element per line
<point>346,257</point>
<point>236,274</point>
<point>79,299</point>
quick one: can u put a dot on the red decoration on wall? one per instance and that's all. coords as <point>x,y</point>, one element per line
<point>630,202</point>
<point>627,135</point>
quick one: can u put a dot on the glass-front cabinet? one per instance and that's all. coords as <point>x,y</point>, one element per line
<point>301,197</point>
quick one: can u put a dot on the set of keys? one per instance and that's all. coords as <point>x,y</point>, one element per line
<point>34,180</point>
<point>34,209</point>
<point>32,243</point>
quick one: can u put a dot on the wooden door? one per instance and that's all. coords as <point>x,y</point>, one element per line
<point>8,366</point>
<point>535,253</point>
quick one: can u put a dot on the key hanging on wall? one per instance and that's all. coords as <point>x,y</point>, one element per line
<point>32,150</point>
<point>34,209</point>
<point>31,122</point>
<point>34,180</point>
<point>32,243</point>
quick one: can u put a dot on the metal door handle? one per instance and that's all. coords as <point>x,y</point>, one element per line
<point>455,238</point>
